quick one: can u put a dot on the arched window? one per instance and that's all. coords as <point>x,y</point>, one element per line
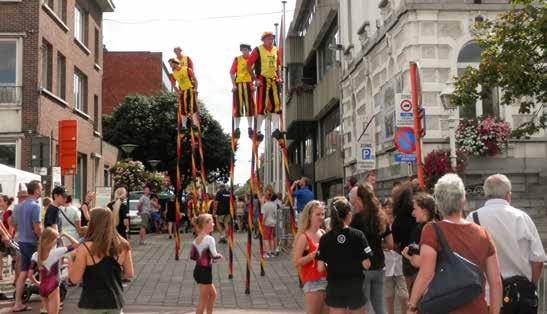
<point>470,56</point>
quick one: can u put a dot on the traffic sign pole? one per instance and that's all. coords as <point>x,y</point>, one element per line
<point>414,86</point>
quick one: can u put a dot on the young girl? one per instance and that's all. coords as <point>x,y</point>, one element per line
<point>47,261</point>
<point>204,252</point>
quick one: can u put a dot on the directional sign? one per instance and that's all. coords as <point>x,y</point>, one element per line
<point>405,158</point>
<point>403,111</point>
<point>405,141</point>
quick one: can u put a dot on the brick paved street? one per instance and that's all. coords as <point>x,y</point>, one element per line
<point>163,285</point>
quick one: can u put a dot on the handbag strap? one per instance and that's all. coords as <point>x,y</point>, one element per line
<point>476,218</point>
<point>69,221</point>
<point>441,239</point>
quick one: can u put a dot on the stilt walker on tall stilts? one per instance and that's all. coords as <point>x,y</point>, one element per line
<point>185,84</point>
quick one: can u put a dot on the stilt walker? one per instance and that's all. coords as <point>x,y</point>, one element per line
<point>255,183</point>
<point>184,82</point>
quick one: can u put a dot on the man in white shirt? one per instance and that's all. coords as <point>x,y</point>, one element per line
<point>518,244</point>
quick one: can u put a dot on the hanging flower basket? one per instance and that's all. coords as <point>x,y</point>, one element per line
<point>129,174</point>
<point>484,136</point>
<point>437,164</point>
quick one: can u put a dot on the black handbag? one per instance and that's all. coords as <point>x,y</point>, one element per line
<point>457,281</point>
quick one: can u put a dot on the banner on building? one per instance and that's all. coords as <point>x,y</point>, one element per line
<point>403,111</point>
<point>68,139</point>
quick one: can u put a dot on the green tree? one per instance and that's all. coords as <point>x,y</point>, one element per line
<point>150,122</point>
<point>513,59</point>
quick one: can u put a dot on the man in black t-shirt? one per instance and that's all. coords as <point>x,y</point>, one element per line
<point>52,218</point>
<point>223,212</point>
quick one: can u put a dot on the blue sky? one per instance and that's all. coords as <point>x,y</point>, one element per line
<point>209,31</point>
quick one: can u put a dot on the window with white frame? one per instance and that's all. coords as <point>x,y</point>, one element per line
<point>80,25</point>
<point>80,91</point>
<point>8,153</point>
<point>10,59</point>
<point>488,104</point>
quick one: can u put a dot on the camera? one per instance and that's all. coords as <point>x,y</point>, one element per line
<point>413,249</point>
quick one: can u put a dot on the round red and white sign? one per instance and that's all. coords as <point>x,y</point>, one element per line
<point>406,105</point>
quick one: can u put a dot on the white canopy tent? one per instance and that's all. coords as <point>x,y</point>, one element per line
<point>10,178</point>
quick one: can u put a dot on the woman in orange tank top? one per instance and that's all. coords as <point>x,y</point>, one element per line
<point>305,249</point>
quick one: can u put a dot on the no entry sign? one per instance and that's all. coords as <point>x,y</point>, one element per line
<point>405,141</point>
<point>403,111</point>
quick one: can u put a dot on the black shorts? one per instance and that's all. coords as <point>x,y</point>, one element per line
<point>203,275</point>
<point>346,294</point>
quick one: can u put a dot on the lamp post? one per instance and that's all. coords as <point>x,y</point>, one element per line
<point>128,149</point>
<point>153,163</point>
<point>450,106</point>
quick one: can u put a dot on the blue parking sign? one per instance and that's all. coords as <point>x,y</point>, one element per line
<point>367,154</point>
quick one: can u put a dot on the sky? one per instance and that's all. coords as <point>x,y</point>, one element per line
<point>209,31</point>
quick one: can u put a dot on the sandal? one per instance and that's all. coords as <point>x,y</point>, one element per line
<point>23,309</point>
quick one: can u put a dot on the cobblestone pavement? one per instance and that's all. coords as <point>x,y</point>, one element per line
<point>163,285</point>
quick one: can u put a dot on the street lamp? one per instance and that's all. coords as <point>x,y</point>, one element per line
<point>154,163</point>
<point>128,149</point>
<point>450,106</point>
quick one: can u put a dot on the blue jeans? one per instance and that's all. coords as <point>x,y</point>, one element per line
<point>374,289</point>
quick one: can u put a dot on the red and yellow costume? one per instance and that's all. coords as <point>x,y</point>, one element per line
<point>243,100</point>
<point>183,76</point>
<point>266,63</point>
<point>185,61</point>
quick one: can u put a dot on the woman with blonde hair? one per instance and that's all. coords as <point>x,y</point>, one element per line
<point>120,212</point>
<point>100,263</point>
<point>307,241</point>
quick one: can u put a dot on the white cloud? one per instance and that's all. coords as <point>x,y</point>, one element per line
<point>212,43</point>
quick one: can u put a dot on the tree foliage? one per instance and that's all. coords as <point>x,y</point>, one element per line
<point>150,122</point>
<point>513,59</point>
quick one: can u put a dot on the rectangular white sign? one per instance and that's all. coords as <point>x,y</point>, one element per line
<point>404,116</point>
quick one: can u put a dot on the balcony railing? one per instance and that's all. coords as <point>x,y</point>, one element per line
<point>10,94</point>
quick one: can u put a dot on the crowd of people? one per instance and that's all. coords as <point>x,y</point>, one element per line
<point>373,255</point>
<point>367,254</point>
<point>45,235</point>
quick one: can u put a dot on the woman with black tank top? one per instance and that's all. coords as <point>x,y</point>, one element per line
<point>100,263</point>
<point>371,220</point>
<point>84,208</point>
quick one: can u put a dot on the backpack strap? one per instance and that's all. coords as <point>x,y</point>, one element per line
<point>476,218</point>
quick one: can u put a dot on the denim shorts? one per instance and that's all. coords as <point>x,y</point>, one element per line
<point>316,285</point>
<point>27,249</point>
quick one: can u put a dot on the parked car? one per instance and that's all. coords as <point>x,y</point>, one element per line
<point>134,218</point>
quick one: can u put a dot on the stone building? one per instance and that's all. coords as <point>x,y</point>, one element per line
<point>379,40</point>
<point>51,69</point>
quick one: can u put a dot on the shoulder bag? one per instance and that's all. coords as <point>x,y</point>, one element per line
<point>457,281</point>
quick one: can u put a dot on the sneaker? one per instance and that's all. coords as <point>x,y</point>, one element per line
<point>250,132</point>
<point>237,133</point>
<point>259,136</point>
<point>267,255</point>
<point>222,240</point>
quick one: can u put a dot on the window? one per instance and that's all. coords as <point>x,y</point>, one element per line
<point>8,153</point>
<point>97,46</point>
<point>47,68</point>
<point>50,4</point>
<point>308,151</point>
<point>330,133</point>
<point>80,91</point>
<point>470,56</point>
<point>61,10</point>
<point>96,113</point>
<point>10,91</point>
<point>106,176</point>
<point>80,178</point>
<point>327,54</point>
<point>80,25</point>
<point>61,75</point>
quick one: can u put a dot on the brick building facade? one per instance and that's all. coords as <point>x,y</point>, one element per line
<point>132,72</point>
<point>50,70</point>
